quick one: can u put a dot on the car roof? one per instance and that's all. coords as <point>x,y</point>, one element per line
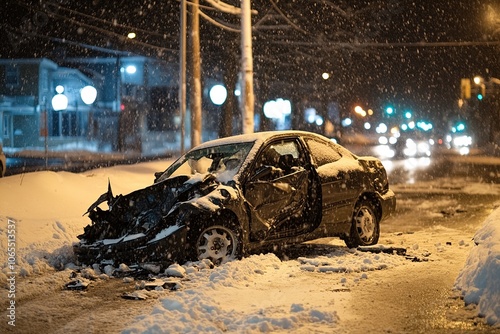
<point>255,137</point>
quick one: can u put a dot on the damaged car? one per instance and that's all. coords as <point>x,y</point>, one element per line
<point>239,195</point>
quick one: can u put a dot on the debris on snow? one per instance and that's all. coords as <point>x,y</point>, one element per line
<point>124,268</point>
<point>109,270</point>
<point>77,284</point>
<point>89,274</point>
<point>154,268</point>
<point>383,249</point>
<point>159,284</point>
<point>128,279</point>
<point>136,295</point>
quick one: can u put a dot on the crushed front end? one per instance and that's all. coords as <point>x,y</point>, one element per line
<point>143,226</point>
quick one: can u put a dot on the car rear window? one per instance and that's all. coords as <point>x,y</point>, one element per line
<point>322,153</point>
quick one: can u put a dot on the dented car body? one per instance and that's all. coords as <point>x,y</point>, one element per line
<point>239,195</point>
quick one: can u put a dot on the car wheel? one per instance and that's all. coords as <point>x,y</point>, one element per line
<point>219,244</point>
<point>365,228</point>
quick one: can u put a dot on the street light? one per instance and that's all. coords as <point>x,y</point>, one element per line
<point>360,111</point>
<point>218,94</point>
<point>88,94</point>
<point>59,101</point>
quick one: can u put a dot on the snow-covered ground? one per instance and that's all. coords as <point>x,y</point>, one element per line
<point>479,280</point>
<point>41,215</point>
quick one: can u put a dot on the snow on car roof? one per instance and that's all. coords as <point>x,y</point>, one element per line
<point>252,137</point>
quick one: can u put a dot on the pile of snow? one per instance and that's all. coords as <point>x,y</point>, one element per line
<point>197,308</point>
<point>479,280</point>
<point>41,213</point>
<point>194,308</point>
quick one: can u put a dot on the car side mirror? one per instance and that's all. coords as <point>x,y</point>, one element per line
<point>157,176</point>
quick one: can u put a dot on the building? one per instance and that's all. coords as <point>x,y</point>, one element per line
<point>25,93</point>
<point>134,108</point>
<point>28,90</point>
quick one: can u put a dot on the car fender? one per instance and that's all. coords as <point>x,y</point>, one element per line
<point>221,201</point>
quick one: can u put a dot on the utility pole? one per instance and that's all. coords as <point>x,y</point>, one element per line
<point>196,77</point>
<point>182,75</point>
<point>247,94</point>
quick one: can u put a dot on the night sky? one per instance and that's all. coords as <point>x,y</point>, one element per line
<point>405,53</point>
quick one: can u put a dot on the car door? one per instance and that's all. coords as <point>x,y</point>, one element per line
<point>338,185</point>
<point>277,190</point>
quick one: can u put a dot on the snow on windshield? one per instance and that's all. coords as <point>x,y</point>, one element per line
<point>223,161</point>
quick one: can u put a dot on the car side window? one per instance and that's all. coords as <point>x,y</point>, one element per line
<point>283,157</point>
<point>322,153</point>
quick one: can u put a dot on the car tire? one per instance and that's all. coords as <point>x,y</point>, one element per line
<point>365,227</point>
<point>218,243</point>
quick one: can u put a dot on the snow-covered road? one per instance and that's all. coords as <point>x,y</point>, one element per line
<point>324,287</point>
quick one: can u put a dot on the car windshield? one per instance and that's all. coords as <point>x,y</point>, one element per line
<point>223,161</point>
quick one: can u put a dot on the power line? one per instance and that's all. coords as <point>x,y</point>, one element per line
<point>120,37</point>
<point>352,45</point>
<point>114,24</point>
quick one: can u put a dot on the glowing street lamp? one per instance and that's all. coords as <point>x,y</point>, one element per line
<point>88,94</point>
<point>59,101</point>
<point>131,69</point>
<point>218,94</point>
<point>360,111</point>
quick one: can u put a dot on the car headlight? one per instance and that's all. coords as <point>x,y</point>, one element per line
<point>423,147</point>
<point>462,141</point>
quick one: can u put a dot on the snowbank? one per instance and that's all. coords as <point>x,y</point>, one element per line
<point>479,280</point>
<point>41,213</point>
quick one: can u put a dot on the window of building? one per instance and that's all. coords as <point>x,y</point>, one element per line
<point>68,124</point>
<point>6,126</point>
<point>12,76</point>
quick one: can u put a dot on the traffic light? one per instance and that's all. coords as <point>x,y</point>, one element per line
<point>478,92</point>
<point>482,92</point>
<point>465,89</point>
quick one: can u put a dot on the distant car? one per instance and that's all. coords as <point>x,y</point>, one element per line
<point>413,145</point>
<point>238,195</point>
<point>3,162</point>
<point>460,142</point>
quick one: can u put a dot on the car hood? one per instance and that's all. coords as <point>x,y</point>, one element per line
<point>142,210</point>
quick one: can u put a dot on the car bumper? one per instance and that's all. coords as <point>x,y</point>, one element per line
<point>388,204</point>
<point>164,251</point>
